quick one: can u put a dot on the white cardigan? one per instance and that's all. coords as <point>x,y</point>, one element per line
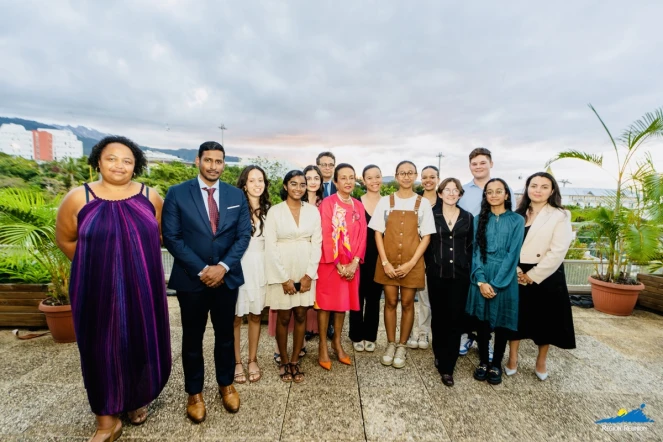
<point>547,242</point>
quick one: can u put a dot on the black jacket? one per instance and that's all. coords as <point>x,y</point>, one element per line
<point>449,254</point>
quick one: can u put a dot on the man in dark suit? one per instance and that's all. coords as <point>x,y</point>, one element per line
<point>326,161</point>
<point>206,227</point>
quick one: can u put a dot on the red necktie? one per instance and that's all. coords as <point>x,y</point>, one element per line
<point>213,208</point>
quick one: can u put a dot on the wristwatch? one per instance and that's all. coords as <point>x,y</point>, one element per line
<point>384,263</point>
<point>480,284</point>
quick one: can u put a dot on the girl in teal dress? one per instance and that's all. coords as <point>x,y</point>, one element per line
<point>493,295</point>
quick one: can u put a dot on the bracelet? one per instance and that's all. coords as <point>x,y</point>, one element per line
<point>384,263</point>
<point>356,259</point>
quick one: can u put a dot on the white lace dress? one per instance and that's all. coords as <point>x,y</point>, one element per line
<point>251,296</point>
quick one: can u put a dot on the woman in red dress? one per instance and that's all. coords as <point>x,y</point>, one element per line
<point>343,247</point>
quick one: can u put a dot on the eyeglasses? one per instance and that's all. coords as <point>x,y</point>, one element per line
<point>497,192</point>
<point>451,191</point>
<point>326,165</point>
<point>408,174</point>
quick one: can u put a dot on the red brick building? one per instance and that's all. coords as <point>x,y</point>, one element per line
<point>43,145</point>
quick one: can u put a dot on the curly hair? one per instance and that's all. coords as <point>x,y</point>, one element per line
<point>140,161</point>
<point>484,215</point>
<point>263,202</point>
<point>320,192</point>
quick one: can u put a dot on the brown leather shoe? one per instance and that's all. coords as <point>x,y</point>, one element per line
<point>195,408</point>
<point>230,398</point>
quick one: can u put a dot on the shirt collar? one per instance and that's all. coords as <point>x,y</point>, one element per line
<point>202,184</point>
<point>472,184</point>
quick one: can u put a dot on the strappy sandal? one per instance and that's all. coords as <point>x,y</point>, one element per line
<point>277,358</point>
<point>297,374</point>
<point>113,432</point>
<point>240,378</point>
<point>254,376</point>
<point>286,376</point>
<point>138,417</point>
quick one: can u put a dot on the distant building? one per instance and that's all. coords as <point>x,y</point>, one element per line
<point>160,157</point>
<point>15,140</point>
<point>65,144</point>
<point>590,197</point>
<point>43,145</point>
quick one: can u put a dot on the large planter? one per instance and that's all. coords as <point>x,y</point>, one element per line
<point>60,322</point>
<point>19,305</point>
<point>614,299</point>
<point>652,296</point>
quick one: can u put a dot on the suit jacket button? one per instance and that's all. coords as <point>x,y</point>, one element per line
<point>538,255</point>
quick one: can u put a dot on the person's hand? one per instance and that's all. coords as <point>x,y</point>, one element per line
<point>390,271</point>
<point>350,270</point>
<point>487,291</point>
<point>525,279</point>
<point>305,284</point>
<point>404,269</point>
<point>289,287</point>
<point>212,276</point>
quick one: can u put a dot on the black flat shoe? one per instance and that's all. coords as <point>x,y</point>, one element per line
<point>481,372</point>
<point>495,375</point>
<point>448,380</point>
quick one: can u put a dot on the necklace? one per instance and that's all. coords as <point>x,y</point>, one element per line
<point>346,201</point>
<point>452,219</point>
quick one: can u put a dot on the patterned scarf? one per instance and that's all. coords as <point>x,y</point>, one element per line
<point>340,234</point>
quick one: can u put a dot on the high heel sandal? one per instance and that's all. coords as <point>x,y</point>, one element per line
<point>286,376</point>
<point>138,417</point>
<point>254,376</point>
<point>297,374</point>
<point>345,361</point>
<point>113,431</point>
<point>240,378</point>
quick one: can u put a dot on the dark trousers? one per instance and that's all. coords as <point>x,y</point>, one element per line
<point>448,297</point>
<point>364,322</point>
<point>219,303</point>
<point>483,339</point>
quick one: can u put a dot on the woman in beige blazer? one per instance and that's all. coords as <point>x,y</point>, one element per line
<point>544,309</point>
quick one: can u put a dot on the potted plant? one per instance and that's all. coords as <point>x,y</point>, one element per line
<point>27,230</point>
<point>624,236</point>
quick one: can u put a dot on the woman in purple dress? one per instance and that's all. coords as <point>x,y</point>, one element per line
<point>110,229</point>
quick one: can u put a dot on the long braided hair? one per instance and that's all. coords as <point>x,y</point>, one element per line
<point>485,213</point>
<point>264,202</point>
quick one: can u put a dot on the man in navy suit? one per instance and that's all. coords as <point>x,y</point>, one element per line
<point>206,227</point>
<point>326,161</point>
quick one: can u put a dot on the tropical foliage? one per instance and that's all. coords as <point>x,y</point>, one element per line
<point>27,235</point>
<point>624,236</point>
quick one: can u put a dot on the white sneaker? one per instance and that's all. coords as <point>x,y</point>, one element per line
<point>358,346</point>
<point>412,342</point>
<point>465,344</point>
<point>400,357</point>
<point>422,342</point>
<point>388,356</point>
<point>369,346</point>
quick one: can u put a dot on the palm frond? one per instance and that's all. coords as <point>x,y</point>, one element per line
<point>650,125</point>
<point>642,242</point>
<point>597,160</point>
<point>612,139</point>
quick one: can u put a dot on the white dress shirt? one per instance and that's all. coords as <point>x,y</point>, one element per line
<point>215,195</point>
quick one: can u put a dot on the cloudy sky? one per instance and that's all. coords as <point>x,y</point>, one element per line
<point>373,81</point>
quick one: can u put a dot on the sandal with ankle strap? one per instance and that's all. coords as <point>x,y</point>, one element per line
<point>297,374</point>
<point>240,378</point>
<point>286,376</point>
<point>254,376</point>
<point>138,417</point>
<point>113,431</point>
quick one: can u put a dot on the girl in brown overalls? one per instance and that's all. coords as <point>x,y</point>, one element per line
<point>403,226</point>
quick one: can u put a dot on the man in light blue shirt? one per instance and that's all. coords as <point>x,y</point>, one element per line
<point>481,162</point>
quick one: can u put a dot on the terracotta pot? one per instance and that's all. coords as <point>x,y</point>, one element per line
<point>60,322</point>
<point>614,299</point>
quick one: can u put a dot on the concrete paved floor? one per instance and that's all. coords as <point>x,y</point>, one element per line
<point>618,365</point>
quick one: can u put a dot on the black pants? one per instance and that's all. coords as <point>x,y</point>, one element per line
<point>195,307</point>
<point>501,336</point>
<point>447,297</point>
<point>364,323</point>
